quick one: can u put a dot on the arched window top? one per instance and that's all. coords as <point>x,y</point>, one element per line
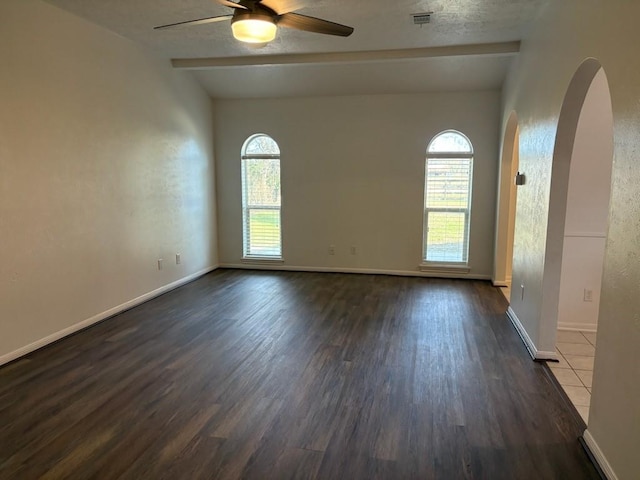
<point>260,144</point>
<point>450,141</point>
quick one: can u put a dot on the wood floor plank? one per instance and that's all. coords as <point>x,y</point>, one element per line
<point>292,375</point>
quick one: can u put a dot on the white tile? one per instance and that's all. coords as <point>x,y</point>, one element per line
<point>561,363</point>
<point>584,412</point>
<point>566,336</point>
<point>566,376</point>
<point>582,349</point>
<point>579,396</point>
<point>591,337</point>
<point>579,362</point>
<point>586,376</point>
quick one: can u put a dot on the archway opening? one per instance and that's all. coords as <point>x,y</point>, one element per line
<point>587,212</point>
<point>577,229</point>
<point>506,211</point>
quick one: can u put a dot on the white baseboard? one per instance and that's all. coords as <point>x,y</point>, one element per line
<point>604,465</point>
<point>366,271</point>
<point>101,316</point>
<point>505,295</point>
<point>506,282</point>
<point>578,327</point>
<point>526,339</point>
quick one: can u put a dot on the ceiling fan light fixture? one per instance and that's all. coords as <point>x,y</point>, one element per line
<point>254,30</point>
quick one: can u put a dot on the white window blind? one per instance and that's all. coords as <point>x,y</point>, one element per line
<point>447,198</point>
<point>261,198</point>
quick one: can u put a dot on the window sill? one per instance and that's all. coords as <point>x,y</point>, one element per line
<point>444,268</point>
<point>262,260</point>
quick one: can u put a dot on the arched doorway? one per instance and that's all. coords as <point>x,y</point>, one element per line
<point>587,213</point>
<point>506,211</point>
<point>576,134</point>
<point>577,228</point>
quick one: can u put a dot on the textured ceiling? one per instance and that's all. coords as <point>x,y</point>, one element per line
<point>379,25</point>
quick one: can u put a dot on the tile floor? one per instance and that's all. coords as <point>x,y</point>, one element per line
<point>574,371</point>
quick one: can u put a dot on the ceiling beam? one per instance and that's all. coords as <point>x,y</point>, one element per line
<point>504,48</point>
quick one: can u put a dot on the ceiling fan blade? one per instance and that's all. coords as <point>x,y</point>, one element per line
<point>198,21</point>
<point>231,4</point>
<point>312,24</point>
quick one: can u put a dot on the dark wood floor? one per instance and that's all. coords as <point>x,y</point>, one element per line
<point>268,375</point>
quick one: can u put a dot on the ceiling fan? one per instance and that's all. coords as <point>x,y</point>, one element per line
<point>256,21</point>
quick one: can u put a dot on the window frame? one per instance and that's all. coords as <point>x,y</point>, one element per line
<point>247,255</point>
<point>444,155</point>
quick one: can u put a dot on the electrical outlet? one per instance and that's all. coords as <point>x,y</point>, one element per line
<point>178,260</point>
<point>159,264</point>
<point>588,295</point>
<point>353,250</point>
<point>332,249</point>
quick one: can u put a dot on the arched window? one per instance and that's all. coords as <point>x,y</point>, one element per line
<point>261,199</point>
<point>447,198</point>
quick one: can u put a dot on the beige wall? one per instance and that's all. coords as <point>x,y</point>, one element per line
<point>565,34</point>
<point>353,174</point>
<point>106,165</point>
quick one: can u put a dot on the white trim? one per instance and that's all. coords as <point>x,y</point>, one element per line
<point>504,294</point>
<point>504,48</point>
<point>261,156</point>
<point>101,316</point>
<point>578,327</point>
<point>502,283</point>
<point>449,155</point>
<point>366,271</point>
<point>604,465</point>
<point>444,268</point>
<point>586,234</point>
<point>526,339</point>
<point>262,260</point>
